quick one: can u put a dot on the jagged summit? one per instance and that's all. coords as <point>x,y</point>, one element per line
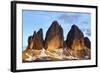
<point>54,36</point>
<point>75,36</point>
<point>38,39</point>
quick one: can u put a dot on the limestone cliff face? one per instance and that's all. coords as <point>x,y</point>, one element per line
<point>28,51</point>
<point>54,37</point>
<point>38,40</point>
<point>30,42</point>
<point>75,38</point>
<point>87,42</point>
<point>35,44</point>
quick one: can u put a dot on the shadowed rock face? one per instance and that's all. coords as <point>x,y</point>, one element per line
<point>75,38</point>
<point>64,44</point>
<point>54,37</point>
<point>38,40</point>
<point>30,42</point>
<point>87,42</point>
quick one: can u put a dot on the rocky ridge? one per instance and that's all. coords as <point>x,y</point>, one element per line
<point>54,47</point>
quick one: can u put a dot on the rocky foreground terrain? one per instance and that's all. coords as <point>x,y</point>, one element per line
<point>55,48</point>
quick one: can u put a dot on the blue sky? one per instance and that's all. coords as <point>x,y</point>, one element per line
<point>34,20</point>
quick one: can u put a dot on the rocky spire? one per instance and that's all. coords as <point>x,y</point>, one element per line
<point>54,36</point>
<point>75,38</point>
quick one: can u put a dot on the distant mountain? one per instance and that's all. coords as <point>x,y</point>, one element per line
<point>54,37</point>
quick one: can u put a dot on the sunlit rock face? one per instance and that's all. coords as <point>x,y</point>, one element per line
<point>87,42</point>
<point>28,51</point>
<point>35,44</point>
<point>75,41</point>
<point>78,44</point>
<point>75,38</point>
<point>38,40</point>
<point>54,37</point>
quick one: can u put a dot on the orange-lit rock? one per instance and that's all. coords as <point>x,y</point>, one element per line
<point>54,37</point>
<point>54,47</point>
<point>75,41</point>
<point>78,44</point>
<point>27,53</point>
<point>75,38</point>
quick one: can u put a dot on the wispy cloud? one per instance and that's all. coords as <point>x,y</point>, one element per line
<point>69,17</point>
<point>86,31</point>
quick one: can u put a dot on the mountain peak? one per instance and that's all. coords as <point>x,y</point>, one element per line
<point>74,26</point>
<point>75,35</point>
<point>55,22</point>
<point>54,33</point>
<point>38,39</point>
